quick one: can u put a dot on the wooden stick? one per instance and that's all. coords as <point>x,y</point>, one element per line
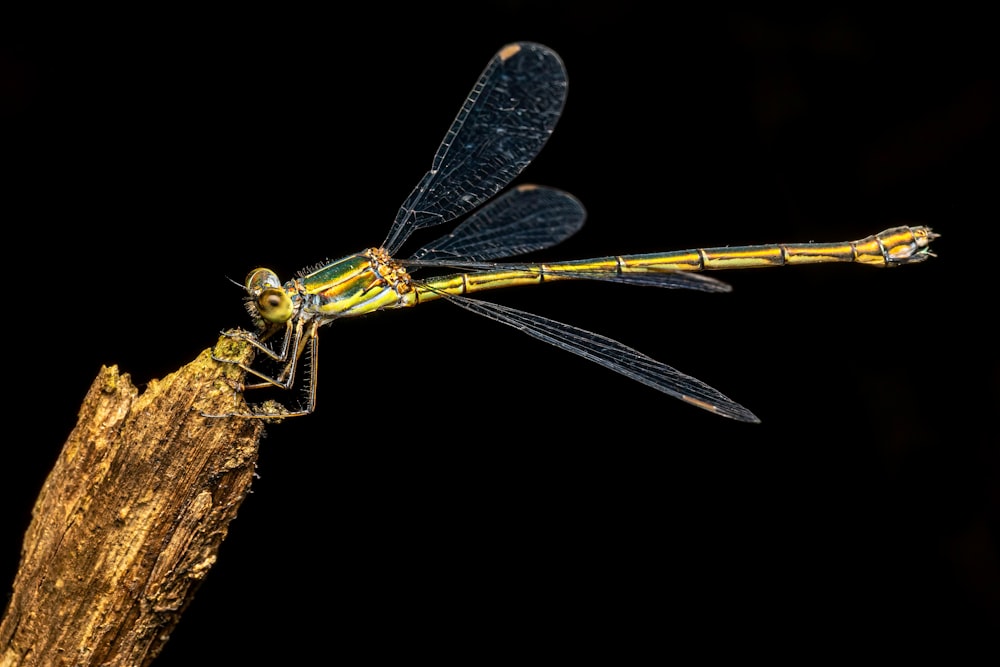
<point>130,519</point>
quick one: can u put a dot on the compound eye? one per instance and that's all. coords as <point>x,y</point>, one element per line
<point>261,279</point>
<point>274,305</point>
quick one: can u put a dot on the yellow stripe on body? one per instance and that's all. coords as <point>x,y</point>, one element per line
<point>898,245</point>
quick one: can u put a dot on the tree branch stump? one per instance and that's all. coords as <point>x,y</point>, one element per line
<point>131,517</point>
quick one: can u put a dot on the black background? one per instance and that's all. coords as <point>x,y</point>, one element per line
<point>463,491</point>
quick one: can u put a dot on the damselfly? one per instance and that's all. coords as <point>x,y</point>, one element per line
<point>504,122</point>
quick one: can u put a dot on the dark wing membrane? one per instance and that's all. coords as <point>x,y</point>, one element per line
<point>520,221</point>
<point>652,277</point>
<point>612,355</point>
<point>666,278</point>
<point>505,121</point>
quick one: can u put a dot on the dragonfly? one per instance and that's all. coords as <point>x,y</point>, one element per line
<point>502,125</point>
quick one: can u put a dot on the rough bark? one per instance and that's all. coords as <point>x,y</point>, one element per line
<point>130,519</point>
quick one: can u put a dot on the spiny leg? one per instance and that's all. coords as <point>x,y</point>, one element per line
<point>285,380</point>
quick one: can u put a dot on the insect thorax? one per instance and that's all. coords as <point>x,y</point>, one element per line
<point>392,272</point>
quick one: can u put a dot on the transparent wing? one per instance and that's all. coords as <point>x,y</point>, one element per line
<point>612,355</point>
<point>652,277</point>
<point>520,221</point>
<point>505,121</point>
